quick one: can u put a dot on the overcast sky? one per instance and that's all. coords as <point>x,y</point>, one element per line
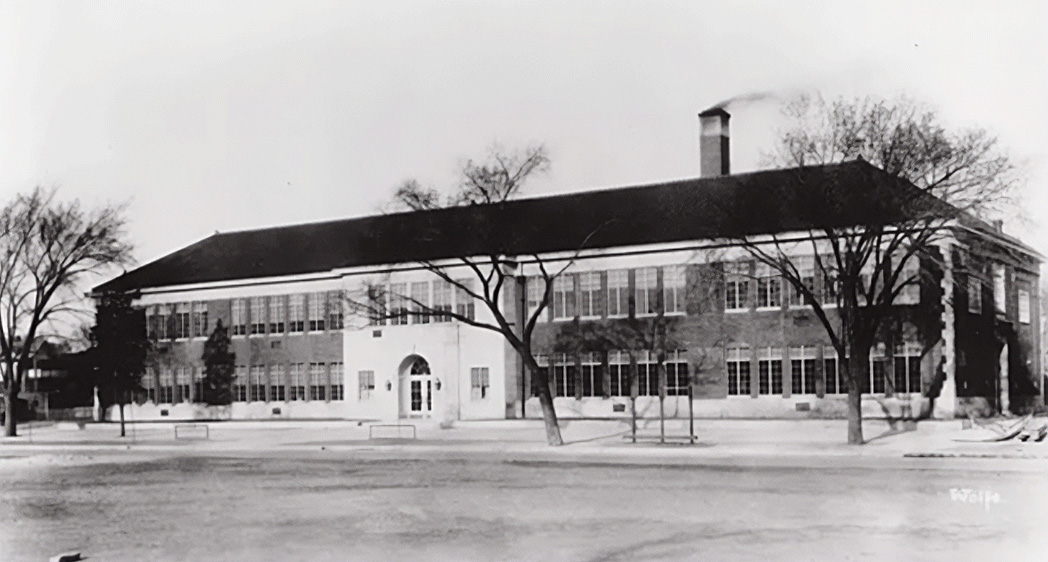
<point>248,114</point>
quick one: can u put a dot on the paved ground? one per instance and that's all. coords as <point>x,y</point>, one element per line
<point>323,492</point>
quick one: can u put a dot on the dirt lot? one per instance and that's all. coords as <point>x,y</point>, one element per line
<point>378,506</point>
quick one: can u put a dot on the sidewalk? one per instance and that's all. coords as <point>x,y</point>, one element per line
<point>586,439</point>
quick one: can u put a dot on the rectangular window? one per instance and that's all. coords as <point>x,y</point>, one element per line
<point>646,295</point>
<point>278,382</point>
<point>831,282</point>
<point>564,297</point>
<point>974,293</point>
<point>276,314</point>
<point>831,371</point>
<point>239,320</point>
<point>592,375</point>
<point>149,384</point>
<point>1000,298</point>
<point>296,313</point>
<point>398,304</point>
<point>442,300</point>
<point>909,283</point>
<point>677,380</point>
<point>317,382</point>
<point>316,312</point>
<point>618,373</point>
<point>907,368</point>
<point>166,391</point>
<point>376,305</point>
<point>802,370</point>
<point>163,315</point>
<point>1024,306</point>
<point>738,361</point>
<point>337,384</point>
<point>674,281</point>
<point>564,375</point>
<point>878,366</point>
<point>769,369</point>
<point>258,315</point>
<point>151,323</point>
<point>240,384</point>
<point>769,287</point>
<point>536,290</point>
<point>200,320</point>
<point>183,328</point>
<point>296,382</point>
<point>618,293</point>
<point>258,383</point>
<point>806,273</point>
<point>336,316</point>
<point>366,381</point>
<point>736,286</point>
<point>647,374</point>
<point>479,383</point>
<point>198,384</point>
<point>464,305</point>
<point>589,295</point>
<point>420,303</point>
<point>182,383</point>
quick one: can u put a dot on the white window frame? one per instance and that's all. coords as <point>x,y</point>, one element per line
<point>646,291</point>
<point>618,293</point>
<point>257,324</point>
<point>420,303</point>
<point>1024,306</point>
<point>365,384</point>
<point>767,280</point>
<point>771,356</point>
<point>674,289</point>
<point>238,318</point>
<point>480,382</point>
<point>736,356</point>
<point>807,359</point>
<point>736,276</point>
<point>591,368</point>
<point>618,373</point>
<point>564,302</point>
<point>806,272</point>
<point>1000,288</point>
<point>589,295</point>
<point>535,289</point>
<point>296,313</point>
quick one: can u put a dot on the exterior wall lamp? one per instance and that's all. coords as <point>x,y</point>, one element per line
<point>389,386</point>
<point>438,384</point>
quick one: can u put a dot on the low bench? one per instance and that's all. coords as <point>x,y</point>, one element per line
<point>391,431</point>
<point>192,431</point>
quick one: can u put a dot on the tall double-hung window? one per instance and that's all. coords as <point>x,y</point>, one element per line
<point>398,304</point>
<point>464,302</point>
<point>769,369</point>
<point>831,371</point>
<point>738,366</point>
<point>564,375</point>
<point>163,315</point>
<point>278,382</point>
<point>296,313</point>
<point>589,295</point>
<point>619,373</point>
<point>276,314</point>
<point>336,316</point>
<point>296,382</point>
<point>564,297</point>
<point>646,295</point>
<point>677,380</point>
<point>420,303</point>
<point>240,384</point>
<point>907,368</point>
<point>183,326</point>
<point>806,272</point>
<point>258,315</point>
<point>592,375</point>
<point>442,296</point>
<point>200,320</point>
<point>674,281</point>
<point>258,383</point>
<point>802,369</point>
<point>535,290</point>
<point>736,286</point>
<point>618,293</point>
<point>317,382</point>
<point>647,374</point>
<point>239,320</point>
<point>769,287</point>
<point>317,321</point>
<point>337,382</point>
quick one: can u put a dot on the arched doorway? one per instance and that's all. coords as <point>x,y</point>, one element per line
<point>417,388</point>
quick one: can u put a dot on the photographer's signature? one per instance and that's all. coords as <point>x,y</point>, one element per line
<point>970,496</point>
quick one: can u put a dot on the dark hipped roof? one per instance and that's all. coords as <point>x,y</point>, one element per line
<point>692,209</point>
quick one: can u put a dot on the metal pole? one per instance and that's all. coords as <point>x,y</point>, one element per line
<point>691,415</point>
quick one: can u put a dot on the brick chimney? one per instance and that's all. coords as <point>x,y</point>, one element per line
<point>714,148</point>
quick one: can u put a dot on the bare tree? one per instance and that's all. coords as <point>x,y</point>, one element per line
<point>934,179</point>
<point>46,248</point>
<point>486,278</point>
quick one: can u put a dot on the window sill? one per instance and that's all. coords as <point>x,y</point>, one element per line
<point>736,310</point>
<point>614,316</point>
<point>589,318</point>
<point>564,319</point>
<point>768,308</point>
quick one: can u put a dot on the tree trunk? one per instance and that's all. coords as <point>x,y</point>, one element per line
<point>858,367</point>
<point>549,418</point>
<point>122,432</point>
<point>10,426</point>
<point>633,417</point>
